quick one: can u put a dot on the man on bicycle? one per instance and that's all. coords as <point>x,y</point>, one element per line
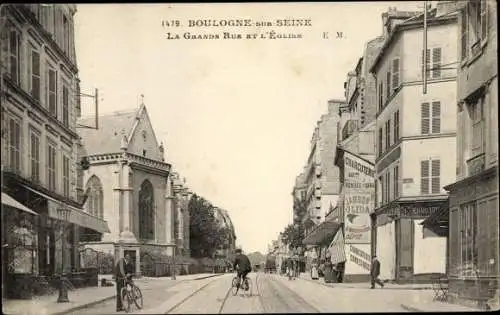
<point>242,265</point>
<point>123,271</point>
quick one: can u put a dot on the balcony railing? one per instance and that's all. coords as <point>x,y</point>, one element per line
<point>476,164</point>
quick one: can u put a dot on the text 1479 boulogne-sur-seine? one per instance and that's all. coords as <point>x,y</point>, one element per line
<point>238,23</point>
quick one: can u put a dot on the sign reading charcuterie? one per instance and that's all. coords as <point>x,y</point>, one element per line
<point>359,199</point>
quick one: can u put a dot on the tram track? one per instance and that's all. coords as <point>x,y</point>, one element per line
<point>279,298</point>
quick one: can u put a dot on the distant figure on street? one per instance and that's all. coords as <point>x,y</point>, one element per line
<point>123,270</point>
<point>290,268</point>
<point>375,272</point>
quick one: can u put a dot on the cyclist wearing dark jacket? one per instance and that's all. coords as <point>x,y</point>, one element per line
<point>242,264</point>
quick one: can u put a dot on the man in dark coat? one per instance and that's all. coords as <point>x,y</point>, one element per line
<point>375,272</point>
<point>241,264</point>
<point>123,269</point>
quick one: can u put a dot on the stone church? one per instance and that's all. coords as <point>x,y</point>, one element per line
<point>129,184</point>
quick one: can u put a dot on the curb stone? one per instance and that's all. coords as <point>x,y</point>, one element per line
<point>90,304</point>
<point>351,287</point>
<point>411,309</point>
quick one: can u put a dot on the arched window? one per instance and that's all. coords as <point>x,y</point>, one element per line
<point>95,198</point>
<point>146,211</point>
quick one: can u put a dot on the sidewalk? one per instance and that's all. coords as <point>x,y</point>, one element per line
<point>366,285</point>
<point>79,298</point>
<point>420,300</point>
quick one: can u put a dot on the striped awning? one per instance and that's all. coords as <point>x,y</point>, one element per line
<point>322,232</point>
<point>337,249</point>
<point>10,202</point>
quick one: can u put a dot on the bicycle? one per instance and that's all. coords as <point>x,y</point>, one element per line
<point>246,285</point>
<point>130,293</point>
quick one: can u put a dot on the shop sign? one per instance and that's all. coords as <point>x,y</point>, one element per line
<point>359,199</point>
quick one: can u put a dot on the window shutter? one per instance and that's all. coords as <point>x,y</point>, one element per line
<point>427,69</point>
<point>382,95</point>
<point>436,176</point>
<point>395,74</point>
<point>465,38</point>
<point>436,117</point>
<point>380,142</point>
<point>425,117</point>
<point>424,177</point>
<point>484,19</point>
<point>388,87</point>
<point>436,62</point>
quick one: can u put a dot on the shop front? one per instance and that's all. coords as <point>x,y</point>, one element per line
<point>321,238</point>
<point>45,245</point>
<point>406,251</point>
<point>474,246</point>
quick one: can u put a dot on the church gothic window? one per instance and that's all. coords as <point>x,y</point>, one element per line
<point>146,211</point>
<point>95,198</point>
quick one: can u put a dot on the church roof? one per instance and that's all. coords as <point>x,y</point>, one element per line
<point>112,128</point>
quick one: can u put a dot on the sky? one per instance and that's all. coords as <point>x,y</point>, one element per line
<point>236,116</point>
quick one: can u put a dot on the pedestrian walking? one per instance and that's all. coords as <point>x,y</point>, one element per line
<point>375,272</point>
<point>123,269</point>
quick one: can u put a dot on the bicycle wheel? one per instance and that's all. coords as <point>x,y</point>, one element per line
<point>235,285</point>
<point>125,299</point>
<point>248,291</point>
<point>137,297</point>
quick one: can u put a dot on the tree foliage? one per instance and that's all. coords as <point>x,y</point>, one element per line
<point>205,234</point>
<point>293,234</point>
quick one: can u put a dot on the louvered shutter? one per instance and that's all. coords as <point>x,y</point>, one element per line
<point>436,117</point>
<point>427,69</point>
<point>388,87</point>
<point>425,117</point>
<point>464,35</point>
<point>424,177</point>
<point>484,19</point>
<point>436,176</point>
<point>380,142</point>
<point>436,63</point>
<point>395,74</point>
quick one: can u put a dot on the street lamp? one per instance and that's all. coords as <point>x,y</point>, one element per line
<point>63,214</point>
<point>174,249</point>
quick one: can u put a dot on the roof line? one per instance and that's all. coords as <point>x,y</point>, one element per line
<point>123,111</point>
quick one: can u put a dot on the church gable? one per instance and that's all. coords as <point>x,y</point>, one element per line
<point>143,139</point>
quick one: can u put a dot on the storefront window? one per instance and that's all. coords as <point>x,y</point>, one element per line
<point>22,245</point>
<point>468,232</point>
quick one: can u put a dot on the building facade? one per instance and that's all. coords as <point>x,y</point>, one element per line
<point>182,195</point>
<point>415,146</point>
<point>350,249</point>
<point>39,97</point>
<point>473,216</point>
<point>321,179</point>
<point>129,185</point>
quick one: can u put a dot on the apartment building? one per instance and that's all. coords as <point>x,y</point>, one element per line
<point>350,249</point>
<point>39,96</point>
<point>321,178</point>
<point>415,144</point>
<point>473,215</point>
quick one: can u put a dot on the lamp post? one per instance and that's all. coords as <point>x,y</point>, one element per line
<point>63,214</point>
<point>174,249</point>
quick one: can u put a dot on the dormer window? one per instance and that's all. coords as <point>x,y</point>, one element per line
<point>144,153</point>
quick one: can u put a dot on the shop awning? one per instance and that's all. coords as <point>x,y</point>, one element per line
<point>8,201</point>
<point>337,249</point>
<point>322,232</point>
<point>438,221</point>
<point>76,216</point>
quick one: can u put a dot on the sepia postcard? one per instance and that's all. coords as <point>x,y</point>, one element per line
<point>267,157</point>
